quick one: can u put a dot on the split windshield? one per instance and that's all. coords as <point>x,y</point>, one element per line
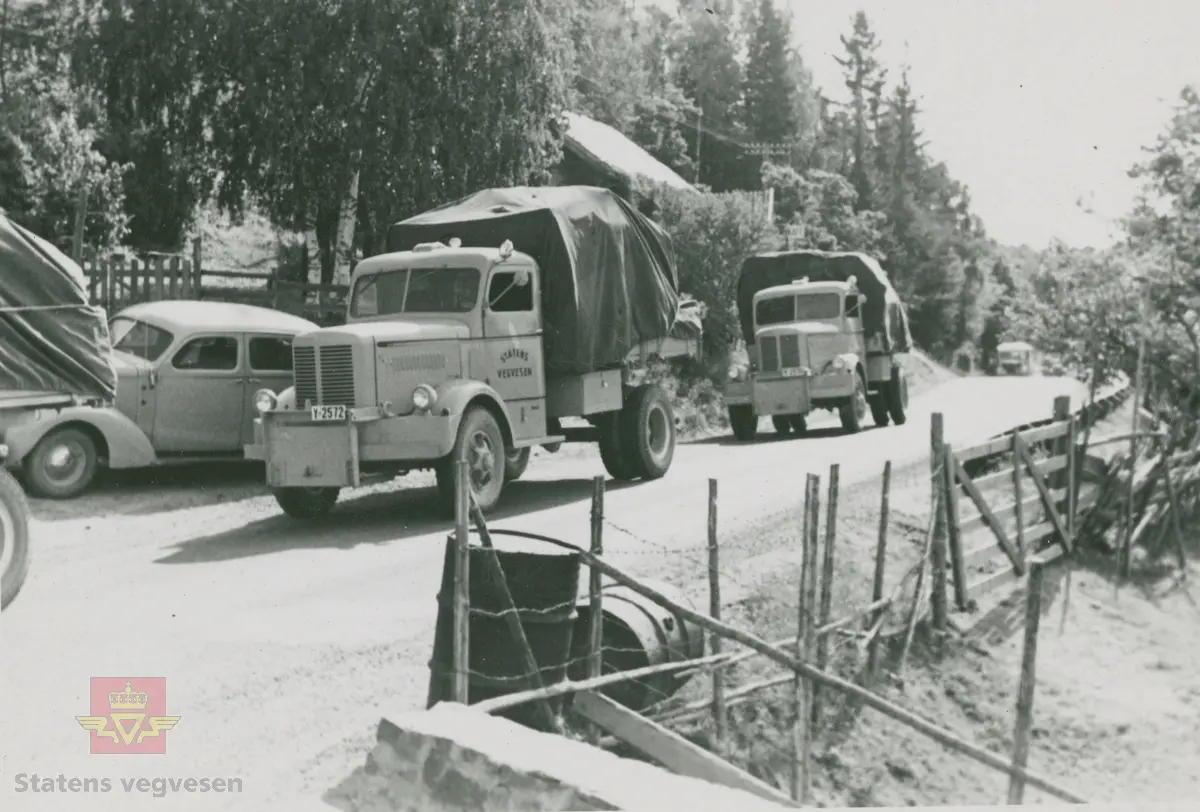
<point>416,290</point>
<point>138,338</point>
<point>809,307</point>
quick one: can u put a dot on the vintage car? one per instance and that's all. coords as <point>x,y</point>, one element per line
<point>187,372</point>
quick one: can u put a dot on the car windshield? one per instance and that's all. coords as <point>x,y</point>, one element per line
<point>138,338</point>
<point>416,290</point>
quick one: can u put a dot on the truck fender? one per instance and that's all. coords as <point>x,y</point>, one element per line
<point>122,443</point>
<point>455,396</point>
<point>852,361</point>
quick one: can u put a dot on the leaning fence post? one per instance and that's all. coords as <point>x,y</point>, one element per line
<point>877,588</point>
<point>938,548</point>
<point>595,602</point>
<point>826,607</point>
<point>714,609</point>
<point>462,571</point>
<point>953,527</point>
<point>1025,690</point>
<point>801,688</point>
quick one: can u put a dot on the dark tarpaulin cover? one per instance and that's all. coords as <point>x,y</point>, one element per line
<point>883,312</point>
<point>51,339</point>
<point>608,273</point>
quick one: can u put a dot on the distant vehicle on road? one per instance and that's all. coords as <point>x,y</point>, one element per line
<point>1016,357</point>
<point>824,330</point>
<point>187,372</point>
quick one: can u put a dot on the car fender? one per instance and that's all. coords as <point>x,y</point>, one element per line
<point>126,445</point>
<point>455,396</point>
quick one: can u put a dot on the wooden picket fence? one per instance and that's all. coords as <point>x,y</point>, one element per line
<point>116,282</point>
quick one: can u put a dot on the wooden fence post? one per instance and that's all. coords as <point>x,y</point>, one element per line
<point>462,580</point>
<point>1025,690</point>
<point>872,670</point>
<point>720,722</point>
<point>595,603</point>
<point>938,549</point>
<point>197,272</point>
<point>826,607</point>
<point>802,688</point>
<point>1019,510</point>
<point>953,529</point>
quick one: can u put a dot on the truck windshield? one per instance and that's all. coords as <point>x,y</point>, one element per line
<point>775,311</point>
<point>416,290</point>
<point>816,306</point>
<point>138,338</point>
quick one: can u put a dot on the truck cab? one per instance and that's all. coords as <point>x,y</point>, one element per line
<point>809,352</point>
<point>440,360</point>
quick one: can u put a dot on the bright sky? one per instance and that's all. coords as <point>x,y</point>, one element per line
<point>1034,104</point>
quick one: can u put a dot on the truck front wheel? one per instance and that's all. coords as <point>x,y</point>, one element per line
<point>896,395</point>
<point>515,463</point>
<point>744,423</point>
<point>879,409</point>
<point>782,423</point>
<point>14,538</point>
<point>481,445</point>
<point>854,410</point>
<point>613,453</point>
<point>648,426</point>
<point>306,503</point>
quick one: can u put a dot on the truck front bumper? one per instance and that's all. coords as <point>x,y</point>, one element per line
<point>788,396</point>
<point>302,453</point>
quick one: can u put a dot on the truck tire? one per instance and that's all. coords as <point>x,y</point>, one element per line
<point>306,503</point>
<point>879,409</point>
<point>612,449</point>
<point>854,410</point>
<point>744,423</point>
<point>481,444</point>
<point>648,431</point>
<point>896,395</point>
<point>799,424</point>
<point>62,465</point>
<point>14,538</point>
<point>782,423</point>
<point>515,463</point>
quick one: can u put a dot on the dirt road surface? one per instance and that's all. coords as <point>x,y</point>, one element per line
<point>282,643</point>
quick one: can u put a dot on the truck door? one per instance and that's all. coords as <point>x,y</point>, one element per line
<point>512,332</point>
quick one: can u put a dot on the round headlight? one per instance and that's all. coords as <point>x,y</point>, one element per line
<point>423,397</point>
<point>839,363</point>
<point>264,400</point>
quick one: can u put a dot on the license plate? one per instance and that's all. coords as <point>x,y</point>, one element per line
<point>790,372</point>
<point>324,414</point>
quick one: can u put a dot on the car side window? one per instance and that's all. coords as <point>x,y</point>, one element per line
<point>270,354</point>
<point>210,353</point>
<point>506,296</point>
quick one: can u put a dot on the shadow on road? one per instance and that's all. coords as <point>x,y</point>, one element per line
<point>773,437</point>
<point>377,518</point>
<point>142,491</point>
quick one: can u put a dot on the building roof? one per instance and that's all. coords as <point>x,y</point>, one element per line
<point>601,144</point>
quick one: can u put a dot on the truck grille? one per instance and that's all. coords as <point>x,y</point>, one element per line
<point>769,354</point>
<point>329,382</point>
<point>789,351</point>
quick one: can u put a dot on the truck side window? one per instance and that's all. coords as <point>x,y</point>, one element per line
<point>506,296</point>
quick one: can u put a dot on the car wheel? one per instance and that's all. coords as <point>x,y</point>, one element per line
<point>62,465</point>
<point>481,446</point>
<point>14,538</point>
<point>515,463</point>
<point>306,503</point>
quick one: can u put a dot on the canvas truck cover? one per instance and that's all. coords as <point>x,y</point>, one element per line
<point>608,272</point>
<point>883,312</point>
<point>51,339</point>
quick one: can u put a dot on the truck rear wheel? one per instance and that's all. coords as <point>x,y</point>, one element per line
<point>744,423</point>
<point>879,409</point>
<point>648,430</point>
<point>896,395</point>
<point>854,410</point>
<point>799,424</point>
<point>782,423</point>
<point>612,449</point>
<point>306,503</point>
<point>515,463</point>
<point>14,538</point>
<point>481,445</point>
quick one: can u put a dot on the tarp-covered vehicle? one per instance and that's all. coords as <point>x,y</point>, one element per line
<point>488,321</point>
<point>54,352</point>
<point>824,330</point>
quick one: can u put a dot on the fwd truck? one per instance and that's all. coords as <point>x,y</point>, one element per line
<point>487,323</point>
<point>823,330</point>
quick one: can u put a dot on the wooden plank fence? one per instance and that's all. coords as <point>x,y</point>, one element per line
<point>115,283</point>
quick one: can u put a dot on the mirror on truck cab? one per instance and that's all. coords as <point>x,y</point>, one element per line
<point>510,292</point>
<point>854,305</point>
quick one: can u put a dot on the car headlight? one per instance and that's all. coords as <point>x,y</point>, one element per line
<point>265,400</point>
<point>423,397</point>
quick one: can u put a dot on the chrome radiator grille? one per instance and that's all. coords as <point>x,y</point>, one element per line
<point>324,375</point>
<point>768,350</point>
<point>789,351</point>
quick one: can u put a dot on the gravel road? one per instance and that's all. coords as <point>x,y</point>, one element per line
<point>283,643</point>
